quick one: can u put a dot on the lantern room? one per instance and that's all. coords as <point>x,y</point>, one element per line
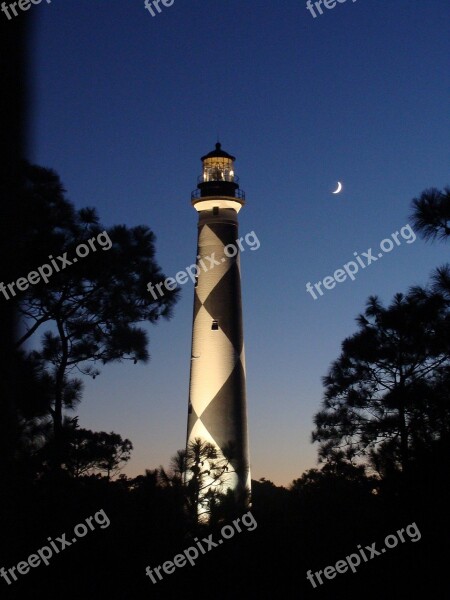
<point>218,178</point>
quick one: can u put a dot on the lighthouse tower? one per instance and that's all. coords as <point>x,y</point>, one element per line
<point>217,410</point>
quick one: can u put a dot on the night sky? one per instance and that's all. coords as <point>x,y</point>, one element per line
<point>123,105</point>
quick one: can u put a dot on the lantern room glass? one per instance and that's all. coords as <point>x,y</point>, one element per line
<point>218,169</point>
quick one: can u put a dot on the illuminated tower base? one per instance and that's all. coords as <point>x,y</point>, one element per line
<point>217,397</point>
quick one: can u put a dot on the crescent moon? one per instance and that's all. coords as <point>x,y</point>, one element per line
<point>339,188</point>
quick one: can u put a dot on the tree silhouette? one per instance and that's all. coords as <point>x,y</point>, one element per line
<point>381,393</point>
<point>33,393</point>
<point>337,476</point>
<point>174,476</point>
<point>97,452</point>
<point>431,218</point>
<point>202,472</point>
<point>431,214</point>
<point>92,306</point>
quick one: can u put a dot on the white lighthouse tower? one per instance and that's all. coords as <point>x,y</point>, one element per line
<point>217,394</point>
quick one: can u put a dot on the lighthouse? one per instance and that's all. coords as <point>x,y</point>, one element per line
<point>217,410</point>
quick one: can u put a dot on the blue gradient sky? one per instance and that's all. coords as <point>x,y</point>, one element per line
<point>125,104</point>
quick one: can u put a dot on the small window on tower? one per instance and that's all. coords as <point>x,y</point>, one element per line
<point>215,325</point>
<point>190,408</point>
<point>215,210</point>
<point>196,281</point>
